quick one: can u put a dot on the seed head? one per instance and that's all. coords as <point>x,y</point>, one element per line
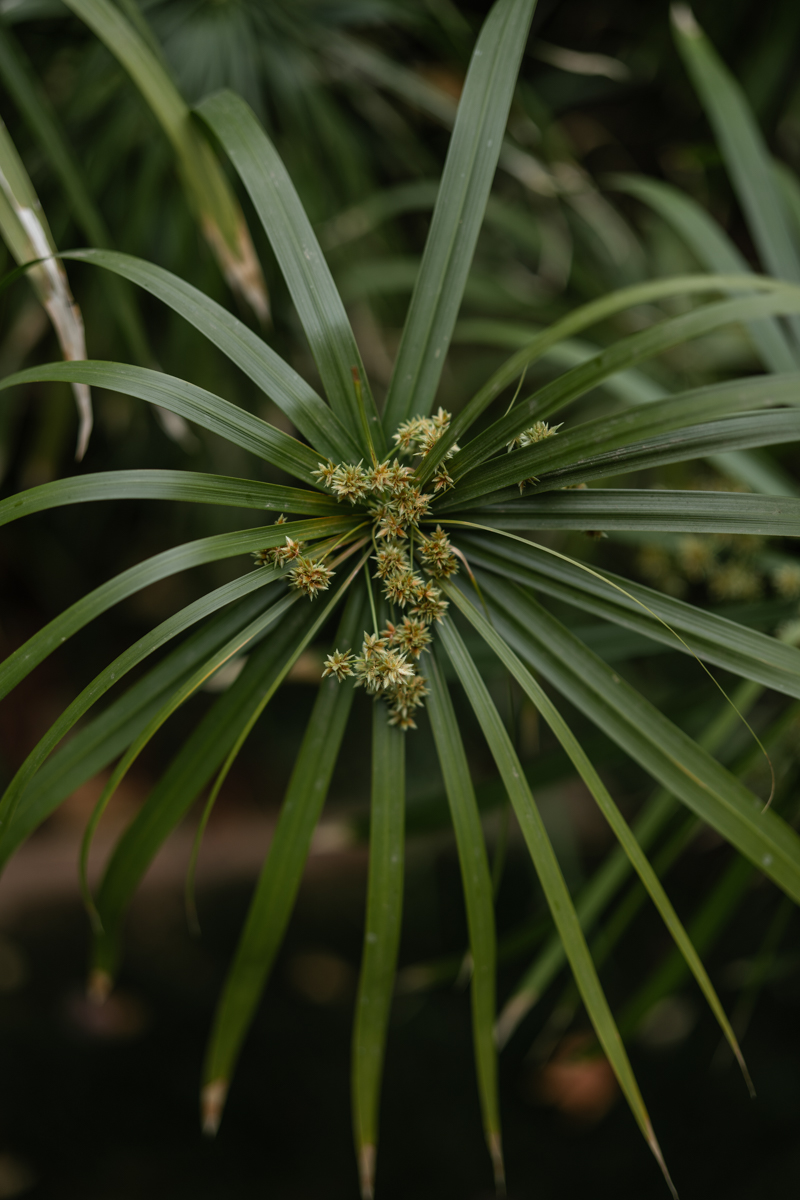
<point>310,577</point>
<point>338,664</point>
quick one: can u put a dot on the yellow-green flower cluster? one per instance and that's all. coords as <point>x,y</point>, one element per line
<point>386,665</point>
<point>529,437</point>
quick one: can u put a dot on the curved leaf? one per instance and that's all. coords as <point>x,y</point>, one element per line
<point>300,258</point>
<point>646,509</point>
<point>550,877</point>
<point>191,486</point>
<point>160,566</point>
<point>605,803</point>
<point>460,204</point>
<point>478,897</point>
<point>381,937</point>
<point>189,401</point>
<point>249,352</point>
<point>276,890</point>
<point>713,638</point>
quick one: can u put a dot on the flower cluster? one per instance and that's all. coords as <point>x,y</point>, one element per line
<point>387,664</point>
<point>529,437</point>
<point>308,575</point>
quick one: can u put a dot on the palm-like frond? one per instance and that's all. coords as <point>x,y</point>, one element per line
<point>487,494</point>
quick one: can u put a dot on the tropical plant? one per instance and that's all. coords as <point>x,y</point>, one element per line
<point>408,530</point>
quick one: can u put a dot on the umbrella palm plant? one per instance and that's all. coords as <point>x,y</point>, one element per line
<point>408,528</point>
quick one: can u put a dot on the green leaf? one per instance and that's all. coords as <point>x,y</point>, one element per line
<point>746,157</point>
<point>300,258</point>
<point>669,755</point>
<point>191,486</point>
<point>249,352</point>
<point>605,803</point>
<point>189,401</point>
<point>635,508</point>
<point>623,353</point>
<point>114,672</point>
<point>615,433</point>
<point>381,937</point>
<point>771,428</point>
<point>215,739</point>
<point>160,566</point>
<point>97,744</point>
<point>582,318</point>
<point>478,898</point>
<point>209,193</point>
<point>713,248</point>
<point>460,205</point>
<point>550,877</point>
<point>275,893</point>
<point>713,638</point>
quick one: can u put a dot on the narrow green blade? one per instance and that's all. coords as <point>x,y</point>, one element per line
<point>477,884</point>
<point>116,671</point>
<point>193,487</point>
<point>669,755</point>
<point>746,157</point>
<point>551,879</point>
<point>297,250</point>
<point>276,378</point>
<point>713,638</point>
<point>199,757</point>
<point>605,803</point>
<point>636,508</point>
<point>274,897</point>
<point>98,743</point>
<point>460,205</point>
<point>189,401</point>
<point>381,938</point>
<point>582,318</point>
<point>160,566</point>
<point>492,481</point>
<point>624,353</point>
<point>713,248</point>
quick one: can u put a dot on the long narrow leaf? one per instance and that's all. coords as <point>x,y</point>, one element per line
<point>743,150</point>
<point>191,486</point>
<point>251,353</point>
<point>275,893</point>
<point>190,770</point>
<point>713,638</point>
<point>210,195</point>
<point>471,162</point>
<point>103,739</point>
<point>714,249</point>
<point>300,258</point>
<point>491,481</point>
<point>160,566</point>
<point>605,803</point>
<point>381,938</point>
<point>477,884</point>
<point>635,508</point>
<point>551,879</point>
<point>624,353</point>
<point>668,754</point>
<point>189,401</point>
<point>582,318</point>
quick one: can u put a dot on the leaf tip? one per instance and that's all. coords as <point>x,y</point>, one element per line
<point>684,21</point>
<point>496,1152</point>
<point>366,1171</point>
<point>652,1142</point>
<point>513,1012</point>
<point>212,1105</point>
<point>98,986</point>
